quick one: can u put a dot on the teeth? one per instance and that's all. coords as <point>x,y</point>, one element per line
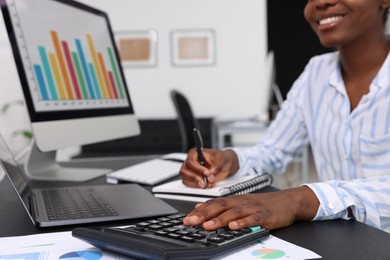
<point>330,20</point>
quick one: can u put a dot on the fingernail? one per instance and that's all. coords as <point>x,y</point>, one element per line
<point>233,225</point>
<point>211,178</point>
<point>210,223</point>
<point>193,219</point>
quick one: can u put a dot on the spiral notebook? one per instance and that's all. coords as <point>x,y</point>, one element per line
<point>230,186</point>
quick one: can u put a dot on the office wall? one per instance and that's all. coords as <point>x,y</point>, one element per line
<point>234,86</point>
<point>13,115</point>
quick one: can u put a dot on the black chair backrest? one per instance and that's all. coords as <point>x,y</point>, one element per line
<point>186,120</point>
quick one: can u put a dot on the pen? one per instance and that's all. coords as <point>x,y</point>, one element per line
<point>199,149</point>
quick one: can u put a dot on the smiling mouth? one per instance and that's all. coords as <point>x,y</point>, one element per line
<point>330,20</point>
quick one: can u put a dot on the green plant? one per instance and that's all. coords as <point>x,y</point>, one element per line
<point>24,132</point>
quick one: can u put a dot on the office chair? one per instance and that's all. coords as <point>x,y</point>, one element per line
<point>186,120</point>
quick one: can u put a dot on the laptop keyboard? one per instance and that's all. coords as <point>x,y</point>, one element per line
<point>75,204</point>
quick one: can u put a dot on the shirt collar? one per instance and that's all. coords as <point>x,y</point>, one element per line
<point>381,80</point>
<point>336,79</point>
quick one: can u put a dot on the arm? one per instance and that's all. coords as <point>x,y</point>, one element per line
<point>368,200</point>
<point>269,210</point>
<point>284,140</point>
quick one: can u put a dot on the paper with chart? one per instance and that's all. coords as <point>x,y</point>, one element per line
<point>63,246</point>
<point>60,245</point>
<point>272,248</point>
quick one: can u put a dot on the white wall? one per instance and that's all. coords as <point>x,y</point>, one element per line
<point>15,118</point>
<point>233,86</point>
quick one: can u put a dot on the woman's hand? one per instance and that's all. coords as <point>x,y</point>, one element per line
<point>219,165</point>
<point>268,210</point>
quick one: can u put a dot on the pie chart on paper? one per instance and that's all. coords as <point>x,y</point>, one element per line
<point>82,255</point>
<point>268,253</point>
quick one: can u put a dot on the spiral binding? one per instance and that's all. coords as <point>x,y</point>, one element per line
<point>249,186</point>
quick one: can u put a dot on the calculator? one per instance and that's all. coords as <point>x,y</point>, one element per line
<point>168,238</point>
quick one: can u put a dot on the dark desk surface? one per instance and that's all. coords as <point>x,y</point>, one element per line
<point>331,239</point>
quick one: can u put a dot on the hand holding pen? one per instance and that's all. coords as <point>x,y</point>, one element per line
<point>199,148</point>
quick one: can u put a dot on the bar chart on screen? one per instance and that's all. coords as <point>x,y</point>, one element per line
<point>64,68</point>
<point>70,76</point>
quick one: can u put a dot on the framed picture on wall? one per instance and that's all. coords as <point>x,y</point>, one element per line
<point>137,48</point>
<point>193,47</point>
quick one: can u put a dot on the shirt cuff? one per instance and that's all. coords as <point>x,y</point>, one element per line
<point>331,204</point>
<point>243,167</point>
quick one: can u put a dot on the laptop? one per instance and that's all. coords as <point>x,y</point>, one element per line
<point>97,203</point>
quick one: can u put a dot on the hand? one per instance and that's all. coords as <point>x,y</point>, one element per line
<point>268,210</point>
<point>219,165</point>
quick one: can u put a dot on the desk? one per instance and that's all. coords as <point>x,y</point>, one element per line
<point>330,239</point>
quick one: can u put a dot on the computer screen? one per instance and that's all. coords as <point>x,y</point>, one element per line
<point>70,72</point>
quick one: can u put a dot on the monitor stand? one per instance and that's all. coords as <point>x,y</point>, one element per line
<point>43,166</point>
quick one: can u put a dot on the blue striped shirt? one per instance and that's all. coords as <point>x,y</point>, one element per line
<point>351,150</point>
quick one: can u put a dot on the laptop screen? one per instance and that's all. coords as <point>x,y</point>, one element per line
<point>11,169</point>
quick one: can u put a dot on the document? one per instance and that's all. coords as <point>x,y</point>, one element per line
<point>48,246</point>
<point>272,248</point>
<point>61,245</point>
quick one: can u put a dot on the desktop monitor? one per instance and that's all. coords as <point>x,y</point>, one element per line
<point>271,89</point>
<point>72,80</point>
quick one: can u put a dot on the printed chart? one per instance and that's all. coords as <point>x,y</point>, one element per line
<point>82,255</point>
<point>272,248</point>
<point>51,246</point>
<point>268,253</point>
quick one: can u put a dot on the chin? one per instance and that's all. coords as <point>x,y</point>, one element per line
<point>330,42</point>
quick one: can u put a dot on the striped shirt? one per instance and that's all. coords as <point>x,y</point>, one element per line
<point>351,150</point>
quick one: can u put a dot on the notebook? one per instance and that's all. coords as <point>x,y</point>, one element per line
<point>231,186</point>
<point>101,202</point>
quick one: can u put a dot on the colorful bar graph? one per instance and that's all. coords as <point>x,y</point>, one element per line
<point>73,76</point>
<point>48,73</point>
<point>41,81</point>
<point>80,75</point>
<point>77,71</point>
<point>114,66</point>
<point>111,78</point>
<point>61,62</point>
<point>57,75</point>
<point>94,80</point>
<point>95,64</point>
<point>85,68</point>
<point>105,75</point>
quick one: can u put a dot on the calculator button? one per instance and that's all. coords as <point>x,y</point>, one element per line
<point>154,221</point>
<point>215,239</point>
<point>173,235</point>
<point>226,236</point>
<point>142,224</point>
<point>165,224</point>
<point>161,233</point>
<point>198,236</point>
<point>236,233</point>
<point>171,229</point>
<point>183,232</point>
<point>154,227</point>
<point>188,239</point>
<point>255,229</point>
<point>164,219</point>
